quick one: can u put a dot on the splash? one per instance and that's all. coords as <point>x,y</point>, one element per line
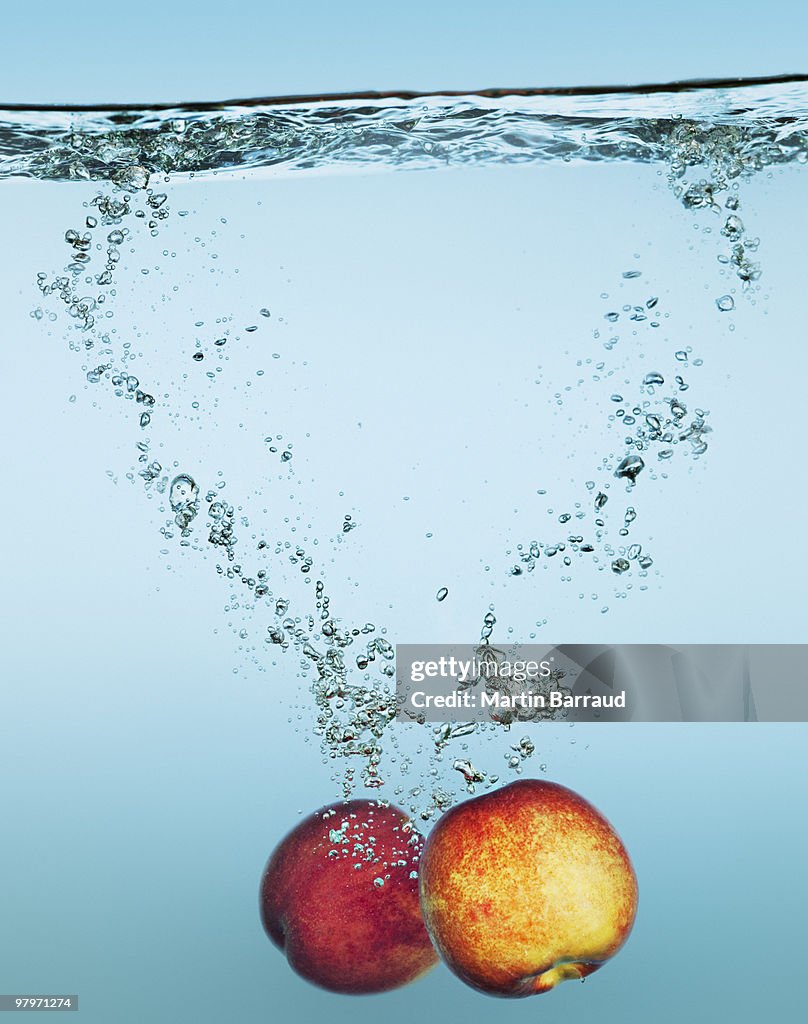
<point>708,140</point>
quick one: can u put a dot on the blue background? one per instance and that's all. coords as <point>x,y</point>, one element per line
<point>150,756</point>
<point>91,52</point>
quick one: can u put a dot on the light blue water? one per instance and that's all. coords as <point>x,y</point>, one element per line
<point>432,356</point>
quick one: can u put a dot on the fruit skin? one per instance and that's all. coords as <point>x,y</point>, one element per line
<point>338,929</point>
<point>524,887</point>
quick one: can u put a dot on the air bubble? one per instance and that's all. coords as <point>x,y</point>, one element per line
<point>183,491</point>
<point>630,468</point>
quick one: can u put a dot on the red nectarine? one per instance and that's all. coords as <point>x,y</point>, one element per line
<point>340,897</point>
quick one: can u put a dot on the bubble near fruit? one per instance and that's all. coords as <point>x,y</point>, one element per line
<point>524,887</point>
<point>339,896</point>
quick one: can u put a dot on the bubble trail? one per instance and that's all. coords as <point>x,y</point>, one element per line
<point>708,139</point>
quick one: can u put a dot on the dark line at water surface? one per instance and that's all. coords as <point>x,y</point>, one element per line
<point>682,86</point>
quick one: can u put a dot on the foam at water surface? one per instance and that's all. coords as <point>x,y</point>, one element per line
<point>769,119</point>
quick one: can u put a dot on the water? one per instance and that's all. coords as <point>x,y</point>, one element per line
<point>735,126</point>
<point>263,430</point>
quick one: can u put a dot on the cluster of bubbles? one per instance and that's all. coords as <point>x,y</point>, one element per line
<point>350,668</point>
<point>86,295</point>
<point>351,837</point>
<point>720,152</point>
<point>655,423</point>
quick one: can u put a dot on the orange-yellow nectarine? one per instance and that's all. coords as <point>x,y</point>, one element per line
<point>524,887</point>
